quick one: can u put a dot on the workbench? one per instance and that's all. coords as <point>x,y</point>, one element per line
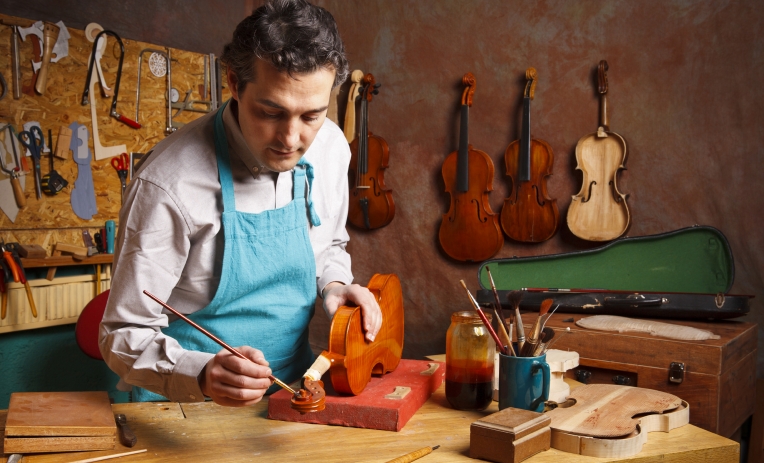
<point>207,432</point>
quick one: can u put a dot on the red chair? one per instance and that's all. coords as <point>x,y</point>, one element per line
<point>86,330</point>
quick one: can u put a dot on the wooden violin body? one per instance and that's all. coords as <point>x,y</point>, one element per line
<point>351,360</point>
<point>599,211</point>
<point>529,215</point>
<point>371,202</point>
<point>469,231</point>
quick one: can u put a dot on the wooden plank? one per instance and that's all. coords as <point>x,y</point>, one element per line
<point>60,414</point>
<point>57,444</point>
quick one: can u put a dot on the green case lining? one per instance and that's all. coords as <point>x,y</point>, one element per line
<point>689,260</point>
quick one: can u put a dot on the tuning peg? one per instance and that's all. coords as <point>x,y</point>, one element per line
<point>376,86</point>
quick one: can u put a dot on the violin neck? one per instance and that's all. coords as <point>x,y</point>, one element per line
<point>462,159</point>
<point>363,139</point>
<point>604,122</point>
<point>524,160</point>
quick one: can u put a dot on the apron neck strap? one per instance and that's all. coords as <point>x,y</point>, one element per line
<point>226,178</point>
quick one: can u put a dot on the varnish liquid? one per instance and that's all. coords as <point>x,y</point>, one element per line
<point>469,388</point>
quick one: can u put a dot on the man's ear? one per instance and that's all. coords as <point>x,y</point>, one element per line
<point>233,84</point>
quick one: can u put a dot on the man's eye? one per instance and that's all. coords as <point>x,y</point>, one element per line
<point>310,118</point>
<point>271,115</point>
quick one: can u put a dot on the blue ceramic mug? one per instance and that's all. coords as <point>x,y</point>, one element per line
<point>523,382</point>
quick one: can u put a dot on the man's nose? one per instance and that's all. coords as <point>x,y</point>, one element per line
<point>289,134</point>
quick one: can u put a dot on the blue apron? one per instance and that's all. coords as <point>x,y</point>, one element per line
<point>267,287</point>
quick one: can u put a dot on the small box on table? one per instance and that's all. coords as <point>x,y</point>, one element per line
<point>510,436</point>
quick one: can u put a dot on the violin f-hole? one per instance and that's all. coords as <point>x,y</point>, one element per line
<point>589,196</point>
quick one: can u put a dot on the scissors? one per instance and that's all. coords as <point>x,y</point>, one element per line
<point>32,139</point>
<point>121,163</point>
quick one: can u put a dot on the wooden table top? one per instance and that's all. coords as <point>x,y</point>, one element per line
<point>206,432</point>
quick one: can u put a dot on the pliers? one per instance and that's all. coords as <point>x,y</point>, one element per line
<point>11,256</point>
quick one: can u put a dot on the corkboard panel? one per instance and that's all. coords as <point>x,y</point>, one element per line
<point>50,219</point>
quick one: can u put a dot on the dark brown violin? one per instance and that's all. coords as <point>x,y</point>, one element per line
<point>371,203</point>
<point>599,212</point>
<point>351,359</point>
<point>529,214</point>
<point>470,231</point>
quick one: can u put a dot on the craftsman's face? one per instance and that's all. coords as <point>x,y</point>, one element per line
<point>280,115</point>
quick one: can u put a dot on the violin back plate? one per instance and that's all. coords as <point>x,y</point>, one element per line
<point>611,421</point>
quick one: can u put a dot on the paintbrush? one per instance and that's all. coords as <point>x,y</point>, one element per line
<point>557,338</point>
<point>485,320</point>
<point>533,336</point>
<point>514,298</point>
<point>214,338</point>
<point>506,339</point>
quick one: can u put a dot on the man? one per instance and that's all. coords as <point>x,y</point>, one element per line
<point>238,219</point>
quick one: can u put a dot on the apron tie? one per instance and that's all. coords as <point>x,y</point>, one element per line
<point>314,219</point>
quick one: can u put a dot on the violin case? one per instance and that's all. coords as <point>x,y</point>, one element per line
<point>683,274</point>
<point>715,376</point>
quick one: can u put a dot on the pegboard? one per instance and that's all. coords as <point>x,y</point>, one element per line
<point>50,219</point>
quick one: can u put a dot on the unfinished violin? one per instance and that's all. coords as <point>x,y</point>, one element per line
<point>351,360</point>
<point>371,202</point>
<point>470,231</point>
<point>529,215</point>
<point>599,212</point>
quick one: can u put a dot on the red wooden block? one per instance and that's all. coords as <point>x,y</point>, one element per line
<point>370,409</point>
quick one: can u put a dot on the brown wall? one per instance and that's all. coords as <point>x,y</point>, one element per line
<point>685,92</point>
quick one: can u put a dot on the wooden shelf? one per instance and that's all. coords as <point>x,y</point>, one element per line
<point>62,261</point>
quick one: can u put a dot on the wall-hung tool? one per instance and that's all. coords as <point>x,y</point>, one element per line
<point>52,182</point>
<point>91,30</point>
<point>18,188</point>
<point>60,45</point>
<point>50,35</point>
<point>101,152</point>
<point>113,111</point>
<point>5,274</point>
<point>83,194</point>
<point>188,105</point>
<point>11,256</point>
<point>15,57</point>
<point>64,139</point>
<point>33,140</point>
<point>135,161</point>
<point>5,86</point>
<point>121,163</point>
<point>155,57</point>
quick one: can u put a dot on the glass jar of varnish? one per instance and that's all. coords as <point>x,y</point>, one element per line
<point>470,353</point>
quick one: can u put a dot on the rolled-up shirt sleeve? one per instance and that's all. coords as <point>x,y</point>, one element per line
<point>331,196</point>
<point>151,251</point>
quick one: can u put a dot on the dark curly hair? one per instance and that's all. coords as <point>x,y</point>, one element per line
<point>295,36</point>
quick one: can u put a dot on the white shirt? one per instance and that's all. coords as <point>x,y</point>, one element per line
<point>170,243</point>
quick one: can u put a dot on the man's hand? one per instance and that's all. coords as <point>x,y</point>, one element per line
<point>234,382</point>
<point>337,294</point>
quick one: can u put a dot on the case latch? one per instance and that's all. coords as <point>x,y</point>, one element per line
<point>676,372</point>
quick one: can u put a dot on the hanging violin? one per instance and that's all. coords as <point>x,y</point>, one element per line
<point>529,214</point>
<point>599,212</point>
<point>470,230</point>
<point>371,203</point>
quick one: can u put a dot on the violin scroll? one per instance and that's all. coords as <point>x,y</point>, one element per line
<point>310,398</point>
<point>469,89</point>
<point>530,86</point>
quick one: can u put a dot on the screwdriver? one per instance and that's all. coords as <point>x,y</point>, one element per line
<point>4,274</point>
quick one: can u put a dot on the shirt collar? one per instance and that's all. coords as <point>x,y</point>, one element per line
<point>236,140</point>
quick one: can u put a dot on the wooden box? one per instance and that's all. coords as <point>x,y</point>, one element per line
<point>510,436</point>
<point>716,376</point>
